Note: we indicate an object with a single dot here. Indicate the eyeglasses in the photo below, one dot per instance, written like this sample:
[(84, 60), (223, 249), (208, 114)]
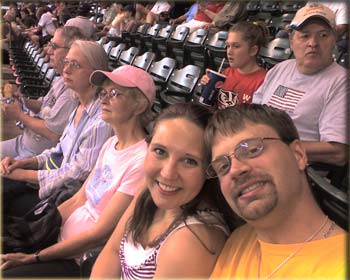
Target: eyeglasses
[(113, 93), (73, 64), (54, 46), (248, 148)]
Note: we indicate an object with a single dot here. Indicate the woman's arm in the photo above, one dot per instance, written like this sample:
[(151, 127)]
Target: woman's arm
[(194, 261), (93, 237), (77, 200), (107, 264), (80, 243)]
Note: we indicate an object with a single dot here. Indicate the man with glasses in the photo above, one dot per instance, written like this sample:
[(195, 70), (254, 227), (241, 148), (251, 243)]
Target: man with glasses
[(312, 88), (48, 116), (260, 162)]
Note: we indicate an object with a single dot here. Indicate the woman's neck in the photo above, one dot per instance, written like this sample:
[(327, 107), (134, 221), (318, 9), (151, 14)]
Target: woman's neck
[(87, 96), (128, 135)]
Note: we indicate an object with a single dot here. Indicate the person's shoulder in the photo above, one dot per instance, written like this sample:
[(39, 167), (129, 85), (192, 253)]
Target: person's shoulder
[(197, 237), (339, 70), (245, 231)]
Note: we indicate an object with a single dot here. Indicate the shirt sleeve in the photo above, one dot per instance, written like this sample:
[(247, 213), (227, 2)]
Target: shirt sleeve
[(78, 168), (56, 118), (333, 120)]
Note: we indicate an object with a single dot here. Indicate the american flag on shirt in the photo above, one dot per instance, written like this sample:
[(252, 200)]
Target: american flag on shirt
[(285, 98)]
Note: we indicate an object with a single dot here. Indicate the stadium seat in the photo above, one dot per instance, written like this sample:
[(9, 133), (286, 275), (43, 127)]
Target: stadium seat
[(144, 61), (194, 49), (128, 56), (114, 55), (276, 51), (175, 44), (333, 201), (180, 86), (216, 50), (159, 41)]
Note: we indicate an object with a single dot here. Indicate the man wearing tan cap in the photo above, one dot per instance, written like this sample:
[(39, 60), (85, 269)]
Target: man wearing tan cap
[(312, 88)]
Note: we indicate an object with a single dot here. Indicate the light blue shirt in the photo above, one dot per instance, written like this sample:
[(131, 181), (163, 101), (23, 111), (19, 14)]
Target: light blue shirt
[(80, 156), (191, 12)]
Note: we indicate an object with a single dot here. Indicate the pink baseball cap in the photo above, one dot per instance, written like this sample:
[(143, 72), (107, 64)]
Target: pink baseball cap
[(127, 76)]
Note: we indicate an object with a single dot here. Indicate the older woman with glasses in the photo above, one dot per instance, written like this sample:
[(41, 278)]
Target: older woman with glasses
[(79, 145), (89, 217)]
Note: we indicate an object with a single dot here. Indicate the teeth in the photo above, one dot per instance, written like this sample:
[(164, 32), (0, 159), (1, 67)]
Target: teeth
[(167, 188), (252, 187)]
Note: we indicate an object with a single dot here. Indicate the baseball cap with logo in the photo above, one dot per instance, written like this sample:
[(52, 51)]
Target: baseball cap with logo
[(313, 10), (127, 76)]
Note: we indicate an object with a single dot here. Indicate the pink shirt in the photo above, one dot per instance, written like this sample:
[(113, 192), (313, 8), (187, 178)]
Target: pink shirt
[(114, 171)]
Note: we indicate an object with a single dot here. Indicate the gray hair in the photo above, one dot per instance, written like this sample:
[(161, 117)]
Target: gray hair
[(70, 34), (94, 53)]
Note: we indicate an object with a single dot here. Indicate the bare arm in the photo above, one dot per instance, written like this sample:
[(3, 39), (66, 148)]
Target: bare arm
[(77, 200), (82, 242), (194, 261), (93, 237), (107, 264), (326, 152), (14, 111), (33, 104)]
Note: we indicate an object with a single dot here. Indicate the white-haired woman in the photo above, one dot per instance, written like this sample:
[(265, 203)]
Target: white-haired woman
[(79, 144)]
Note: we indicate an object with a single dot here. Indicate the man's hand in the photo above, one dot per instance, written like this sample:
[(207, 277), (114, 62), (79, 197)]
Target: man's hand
[(12, 110)]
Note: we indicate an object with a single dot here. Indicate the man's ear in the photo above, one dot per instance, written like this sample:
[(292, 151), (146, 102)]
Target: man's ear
[(291, 42), (299, 153)]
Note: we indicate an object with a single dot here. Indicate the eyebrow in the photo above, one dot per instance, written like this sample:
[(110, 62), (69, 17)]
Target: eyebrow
[(186, 154)]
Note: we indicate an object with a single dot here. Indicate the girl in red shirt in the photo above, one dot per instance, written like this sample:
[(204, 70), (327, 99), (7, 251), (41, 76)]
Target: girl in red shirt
[(244, 75)]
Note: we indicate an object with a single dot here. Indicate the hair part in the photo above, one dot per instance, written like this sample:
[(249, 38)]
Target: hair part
[(94, 53), (234, 119), (255, 33)]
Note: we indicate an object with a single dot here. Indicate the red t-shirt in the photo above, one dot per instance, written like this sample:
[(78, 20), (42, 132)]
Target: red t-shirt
[(238, 88), (213, 7)]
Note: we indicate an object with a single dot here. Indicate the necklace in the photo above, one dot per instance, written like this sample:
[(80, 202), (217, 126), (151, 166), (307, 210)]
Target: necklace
[(312, 236)]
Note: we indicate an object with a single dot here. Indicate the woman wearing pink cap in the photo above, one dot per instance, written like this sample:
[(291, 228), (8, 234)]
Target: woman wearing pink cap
[(89, 217)]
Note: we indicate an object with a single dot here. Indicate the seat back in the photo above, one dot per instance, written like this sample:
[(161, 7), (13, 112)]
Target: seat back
[(144, 61), (253, 7), (102, 41), (217, 41), (166, 31), (153, 30), (333, 201), (115, 52), (161, 70), (50, 75), (184, 80), (194, 49), (216, 50), (128, 56), (198, 37), (180, 34), (291, 6), (108, 46), (272, 7), (277, 50), (142, 29)]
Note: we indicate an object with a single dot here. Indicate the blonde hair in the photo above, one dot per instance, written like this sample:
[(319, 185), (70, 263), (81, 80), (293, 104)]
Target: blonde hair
[(147, 116), (94, 53)]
